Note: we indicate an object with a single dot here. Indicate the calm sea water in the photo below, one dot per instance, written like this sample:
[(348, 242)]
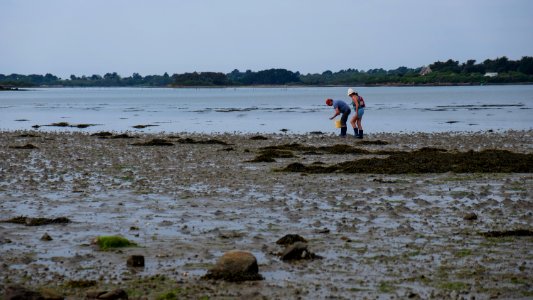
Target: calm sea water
[(268, 110)]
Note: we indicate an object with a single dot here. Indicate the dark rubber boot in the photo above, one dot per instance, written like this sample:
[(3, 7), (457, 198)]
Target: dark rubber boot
[(360, 134), (343, 131), (356, 132)]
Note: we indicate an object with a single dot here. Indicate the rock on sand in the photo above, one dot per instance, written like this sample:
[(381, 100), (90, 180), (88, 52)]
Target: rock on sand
[(235, 265)]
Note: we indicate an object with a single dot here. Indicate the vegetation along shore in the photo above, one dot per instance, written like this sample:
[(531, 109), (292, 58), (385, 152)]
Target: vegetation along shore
[(491, 71)]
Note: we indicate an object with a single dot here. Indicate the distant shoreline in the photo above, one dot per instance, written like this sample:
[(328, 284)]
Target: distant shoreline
[(25, 88)]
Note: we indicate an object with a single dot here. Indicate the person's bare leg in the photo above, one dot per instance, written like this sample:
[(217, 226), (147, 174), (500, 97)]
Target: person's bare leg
[(360, 128), (355, 128)]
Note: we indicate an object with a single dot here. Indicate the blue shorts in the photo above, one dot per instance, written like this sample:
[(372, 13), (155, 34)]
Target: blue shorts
[(360, 113)]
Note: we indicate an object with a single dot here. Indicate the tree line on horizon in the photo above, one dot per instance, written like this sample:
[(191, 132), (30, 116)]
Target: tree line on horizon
[(447, 72)]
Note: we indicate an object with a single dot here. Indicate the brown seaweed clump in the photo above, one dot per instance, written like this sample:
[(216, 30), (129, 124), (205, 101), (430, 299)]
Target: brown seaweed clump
[(206, 142), (429, 160), (516, 232), (335, 149), (269, 155), (37, 221), (142, 126), (258, 138), (109, 135), (27, 146), (373, 142), (154, 142), (102, 134), (65, 124)]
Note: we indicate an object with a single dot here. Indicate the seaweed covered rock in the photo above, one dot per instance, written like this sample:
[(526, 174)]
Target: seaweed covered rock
[(298, 251), (235, 265), (290, 239)]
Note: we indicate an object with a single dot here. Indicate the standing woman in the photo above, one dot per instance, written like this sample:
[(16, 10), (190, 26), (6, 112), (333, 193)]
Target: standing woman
[(358, 106)]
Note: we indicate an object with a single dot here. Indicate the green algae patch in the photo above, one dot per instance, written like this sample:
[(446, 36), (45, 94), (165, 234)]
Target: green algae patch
[(428, 160), (113, 241)]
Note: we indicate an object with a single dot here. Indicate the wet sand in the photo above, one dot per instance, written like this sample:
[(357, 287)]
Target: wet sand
[(188, 202)]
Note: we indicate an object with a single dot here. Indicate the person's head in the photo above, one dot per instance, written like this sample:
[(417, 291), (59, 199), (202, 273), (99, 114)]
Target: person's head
[(329, 102), (352, 93)]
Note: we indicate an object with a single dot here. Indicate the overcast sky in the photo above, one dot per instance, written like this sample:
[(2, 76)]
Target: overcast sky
[(86, 37)]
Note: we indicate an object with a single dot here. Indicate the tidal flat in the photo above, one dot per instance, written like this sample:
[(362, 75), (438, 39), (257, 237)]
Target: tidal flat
[(185, 199)]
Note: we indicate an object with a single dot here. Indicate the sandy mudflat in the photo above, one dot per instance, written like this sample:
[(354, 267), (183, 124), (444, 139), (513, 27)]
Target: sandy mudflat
[(185, 204)]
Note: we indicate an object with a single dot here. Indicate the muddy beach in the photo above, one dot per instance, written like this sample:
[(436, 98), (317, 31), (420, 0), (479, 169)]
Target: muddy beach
[(184, 200)]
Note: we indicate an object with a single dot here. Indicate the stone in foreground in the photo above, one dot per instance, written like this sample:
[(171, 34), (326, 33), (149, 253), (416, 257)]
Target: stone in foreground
[(118, 294), (135, 261), (235, 265)]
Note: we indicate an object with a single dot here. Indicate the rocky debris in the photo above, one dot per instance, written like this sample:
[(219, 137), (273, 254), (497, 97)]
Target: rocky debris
[(290, 239), (109, 295), (235, 266), (27, 146), (46, 237), (298, 251), (135, 261), (470, 216), (154, 142), (17, 292), (37, 221), (516, 232)]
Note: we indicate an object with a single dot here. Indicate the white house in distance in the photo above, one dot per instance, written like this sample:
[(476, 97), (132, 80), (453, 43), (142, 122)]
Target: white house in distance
[(491, 74), (425, 71)]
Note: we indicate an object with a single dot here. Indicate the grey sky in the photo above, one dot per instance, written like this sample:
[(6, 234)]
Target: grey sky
[(85, 37)]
